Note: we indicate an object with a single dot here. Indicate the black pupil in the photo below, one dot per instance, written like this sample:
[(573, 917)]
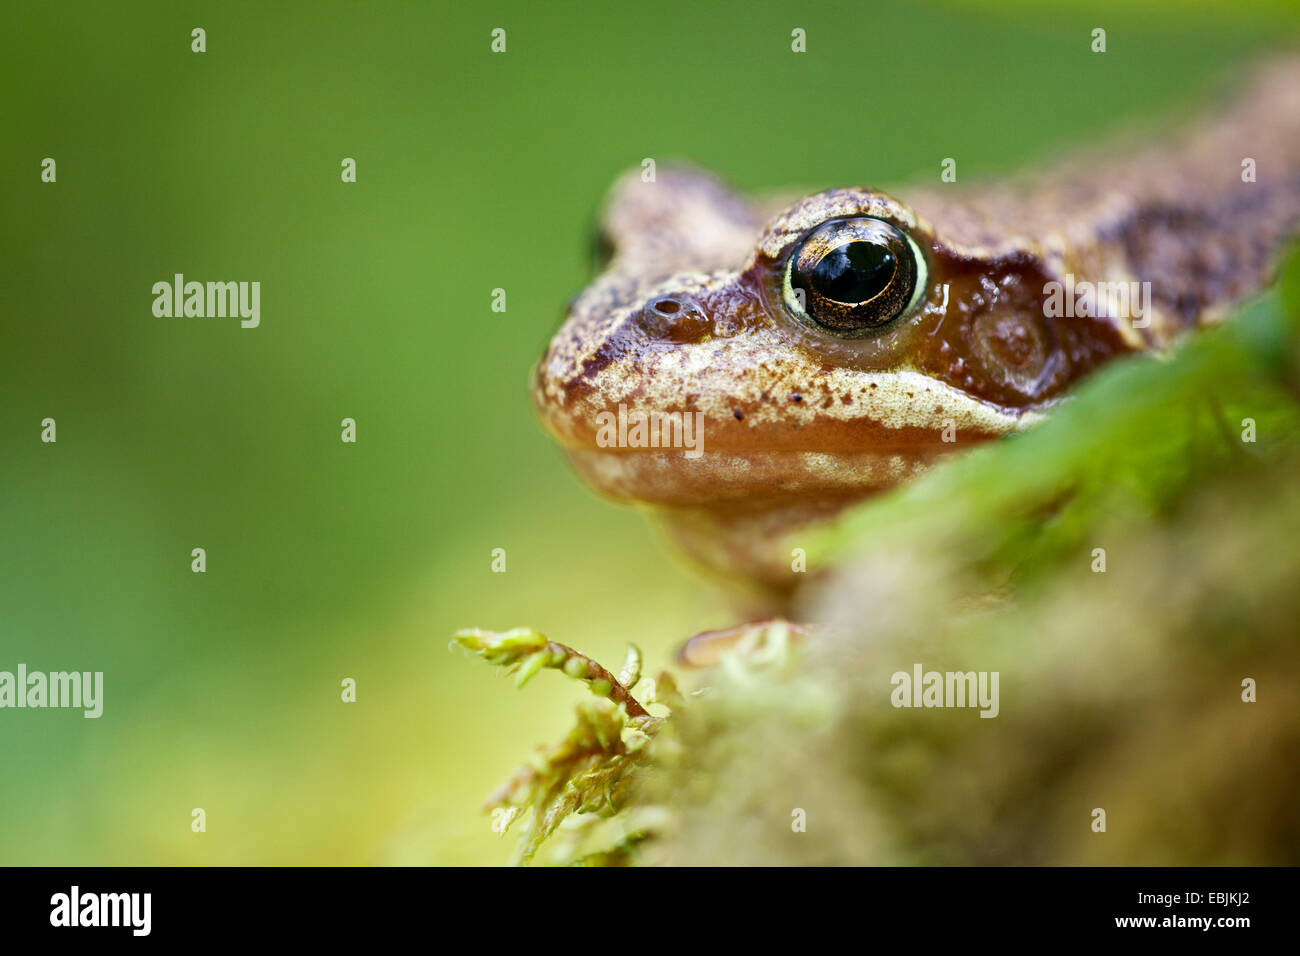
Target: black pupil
[(854, 272)]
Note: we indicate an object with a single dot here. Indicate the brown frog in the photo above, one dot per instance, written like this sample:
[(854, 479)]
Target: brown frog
[(749, 367)]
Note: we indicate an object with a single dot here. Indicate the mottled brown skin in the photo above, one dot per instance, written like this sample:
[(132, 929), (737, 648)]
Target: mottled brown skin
[(689, 317)]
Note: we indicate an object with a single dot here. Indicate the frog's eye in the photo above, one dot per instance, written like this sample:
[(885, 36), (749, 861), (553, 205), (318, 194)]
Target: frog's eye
[(853, 277)]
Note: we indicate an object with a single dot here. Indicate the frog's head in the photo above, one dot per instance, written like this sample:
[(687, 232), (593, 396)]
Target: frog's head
[(747, 375)]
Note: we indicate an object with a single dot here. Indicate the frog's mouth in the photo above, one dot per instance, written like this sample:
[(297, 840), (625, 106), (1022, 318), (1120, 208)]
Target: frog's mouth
[(743, 454)]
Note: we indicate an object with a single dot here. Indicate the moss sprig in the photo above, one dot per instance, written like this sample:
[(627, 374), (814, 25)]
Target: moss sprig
[(524, 652), (588, 771)]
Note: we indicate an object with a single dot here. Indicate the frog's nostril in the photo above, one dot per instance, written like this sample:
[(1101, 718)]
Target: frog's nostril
[(675, 318)]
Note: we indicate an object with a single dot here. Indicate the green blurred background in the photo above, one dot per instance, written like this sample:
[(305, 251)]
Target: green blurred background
[(329, 560)]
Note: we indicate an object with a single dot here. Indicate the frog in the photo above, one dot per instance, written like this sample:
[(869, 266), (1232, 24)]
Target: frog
[(837, 345)]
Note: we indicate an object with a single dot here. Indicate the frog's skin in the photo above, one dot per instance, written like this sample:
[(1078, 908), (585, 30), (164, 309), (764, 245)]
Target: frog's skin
[(689, 316)]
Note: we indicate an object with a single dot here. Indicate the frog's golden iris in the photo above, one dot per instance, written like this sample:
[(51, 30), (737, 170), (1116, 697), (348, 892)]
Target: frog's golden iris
[(854, 277)]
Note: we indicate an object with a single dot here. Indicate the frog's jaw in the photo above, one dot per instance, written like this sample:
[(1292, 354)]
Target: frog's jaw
[(786, 431)]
